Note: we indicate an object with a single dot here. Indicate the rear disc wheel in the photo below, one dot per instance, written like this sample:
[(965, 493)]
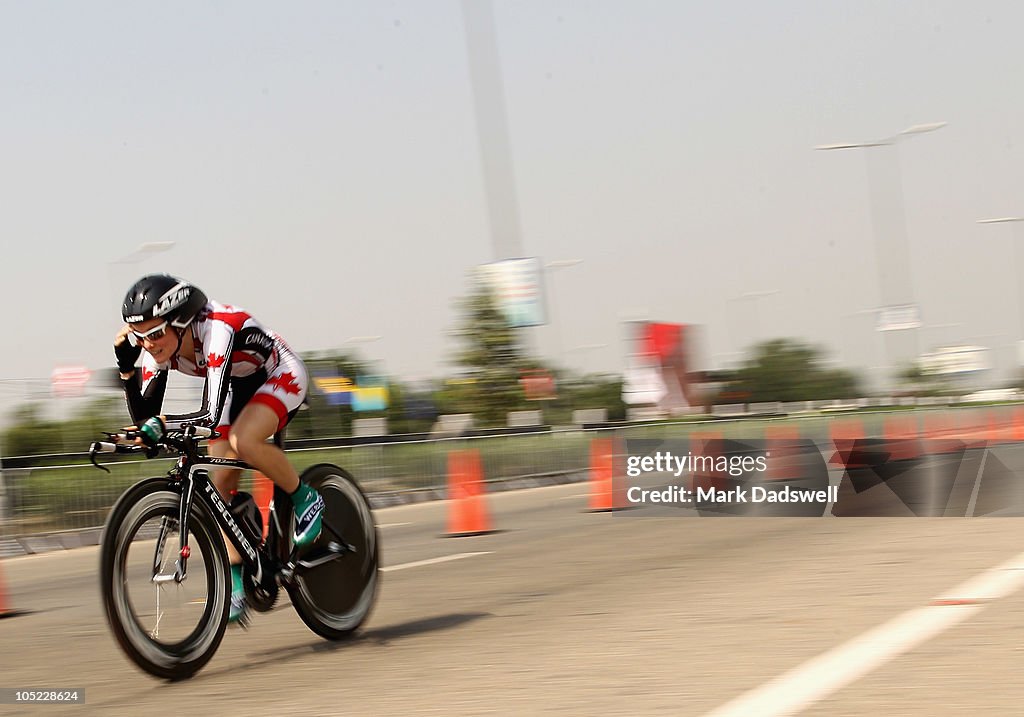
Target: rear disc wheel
[(335, 598)]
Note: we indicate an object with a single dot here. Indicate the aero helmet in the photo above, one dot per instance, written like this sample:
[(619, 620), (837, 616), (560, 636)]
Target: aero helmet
[(162, 296)]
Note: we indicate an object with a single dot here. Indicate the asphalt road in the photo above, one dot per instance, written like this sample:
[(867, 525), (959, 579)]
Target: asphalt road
[(569, 612)]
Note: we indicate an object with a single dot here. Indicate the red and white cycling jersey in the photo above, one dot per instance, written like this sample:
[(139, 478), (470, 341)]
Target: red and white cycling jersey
[(229, 345)]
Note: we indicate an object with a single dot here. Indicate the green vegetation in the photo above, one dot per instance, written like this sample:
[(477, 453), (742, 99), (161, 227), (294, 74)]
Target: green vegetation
[(787, 370), (31, 434)]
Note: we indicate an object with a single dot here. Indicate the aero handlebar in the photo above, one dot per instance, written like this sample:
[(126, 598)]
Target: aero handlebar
[(124, 442)]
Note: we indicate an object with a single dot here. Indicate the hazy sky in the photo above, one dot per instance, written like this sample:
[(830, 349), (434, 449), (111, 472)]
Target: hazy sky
[(318, 164)]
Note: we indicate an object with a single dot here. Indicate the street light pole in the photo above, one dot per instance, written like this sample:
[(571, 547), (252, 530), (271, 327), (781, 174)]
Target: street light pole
[(892, 252)]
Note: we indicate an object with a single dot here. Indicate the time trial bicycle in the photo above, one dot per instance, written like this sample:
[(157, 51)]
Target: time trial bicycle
[(164, 568)]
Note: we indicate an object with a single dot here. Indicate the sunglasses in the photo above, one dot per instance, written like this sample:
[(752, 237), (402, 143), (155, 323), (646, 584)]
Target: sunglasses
[(154, 334)]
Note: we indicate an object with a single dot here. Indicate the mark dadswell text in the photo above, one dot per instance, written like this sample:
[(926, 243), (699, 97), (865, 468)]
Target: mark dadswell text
[(751, 494)]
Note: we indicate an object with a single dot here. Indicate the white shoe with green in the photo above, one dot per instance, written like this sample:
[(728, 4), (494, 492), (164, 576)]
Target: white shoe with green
[(237, 612), (309, 510)]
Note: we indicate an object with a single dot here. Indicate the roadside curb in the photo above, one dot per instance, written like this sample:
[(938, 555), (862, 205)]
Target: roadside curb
[(78, 538)]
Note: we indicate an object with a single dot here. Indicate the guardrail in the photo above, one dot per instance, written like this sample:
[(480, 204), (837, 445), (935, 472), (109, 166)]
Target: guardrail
[(70, 496), (73, 496)]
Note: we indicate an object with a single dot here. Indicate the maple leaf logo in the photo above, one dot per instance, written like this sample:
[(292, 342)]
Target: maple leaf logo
[(147, 374), (285, 382), (214, 361)]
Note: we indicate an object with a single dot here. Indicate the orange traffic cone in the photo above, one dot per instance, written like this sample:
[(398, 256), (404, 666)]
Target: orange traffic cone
[(263, 493), (999, 428), (973, 429), (467, 503), (844, 436), (901, 436), (604, 491)]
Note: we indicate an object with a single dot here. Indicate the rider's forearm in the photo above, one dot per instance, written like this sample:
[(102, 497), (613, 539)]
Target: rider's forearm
[(143, 405)]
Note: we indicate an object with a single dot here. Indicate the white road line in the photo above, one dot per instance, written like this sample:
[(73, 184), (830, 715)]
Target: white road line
[(833, 670), (973, 502), (391, 525), (577, 495), (433, 561), (50, 554)]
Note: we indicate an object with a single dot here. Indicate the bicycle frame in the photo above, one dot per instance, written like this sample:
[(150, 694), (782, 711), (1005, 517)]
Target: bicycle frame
[(190, 473)]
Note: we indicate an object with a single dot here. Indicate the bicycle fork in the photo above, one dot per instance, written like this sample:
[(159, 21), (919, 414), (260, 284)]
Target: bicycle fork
[(181, 563), (158, 553)]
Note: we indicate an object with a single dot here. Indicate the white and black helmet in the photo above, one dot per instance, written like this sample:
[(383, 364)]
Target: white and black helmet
[(162, 296)]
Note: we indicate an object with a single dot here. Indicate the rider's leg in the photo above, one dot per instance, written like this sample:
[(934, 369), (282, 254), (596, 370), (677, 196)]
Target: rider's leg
[(249, 434), (226, 482)]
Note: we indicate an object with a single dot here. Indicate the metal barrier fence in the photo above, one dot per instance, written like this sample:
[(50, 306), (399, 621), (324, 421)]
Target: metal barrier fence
[(53, 498)]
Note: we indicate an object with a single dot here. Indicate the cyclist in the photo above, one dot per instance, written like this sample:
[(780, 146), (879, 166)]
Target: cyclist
[(254, 386)]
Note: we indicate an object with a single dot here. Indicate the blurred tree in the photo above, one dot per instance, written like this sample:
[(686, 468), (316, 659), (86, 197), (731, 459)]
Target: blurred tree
[(594, 391), (492, 360), (31, 434), (787, 370)]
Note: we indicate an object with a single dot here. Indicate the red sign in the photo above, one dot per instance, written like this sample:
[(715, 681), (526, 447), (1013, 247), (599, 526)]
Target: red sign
[(68, 381), (538, 385)]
